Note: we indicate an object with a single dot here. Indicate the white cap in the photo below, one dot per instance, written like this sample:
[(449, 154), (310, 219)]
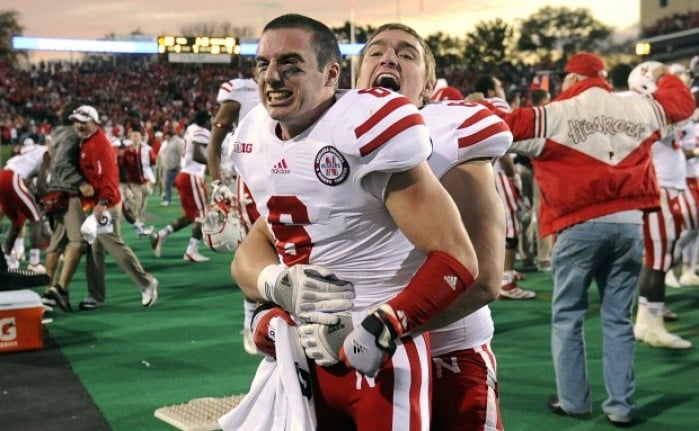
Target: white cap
[(158, 134), (85, 113), (28, 141)]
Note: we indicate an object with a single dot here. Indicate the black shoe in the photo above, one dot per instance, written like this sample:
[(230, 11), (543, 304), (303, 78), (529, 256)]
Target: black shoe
[(618, 421), (90, 303), (60, 297), (555, 406)]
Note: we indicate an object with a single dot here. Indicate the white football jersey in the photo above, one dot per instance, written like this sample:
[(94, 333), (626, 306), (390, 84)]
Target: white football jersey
[(28, 163), (689, 139), (194, 134), (322, 192), (461, 132), (670, 163), (243, 91)]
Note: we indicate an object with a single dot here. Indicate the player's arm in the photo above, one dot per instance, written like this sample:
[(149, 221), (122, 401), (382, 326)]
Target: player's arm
[(226, 117), (429, 218), (472, 186), (254, 254)]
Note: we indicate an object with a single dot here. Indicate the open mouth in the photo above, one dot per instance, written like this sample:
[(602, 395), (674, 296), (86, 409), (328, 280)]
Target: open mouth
[(278, 95), (387, 81)]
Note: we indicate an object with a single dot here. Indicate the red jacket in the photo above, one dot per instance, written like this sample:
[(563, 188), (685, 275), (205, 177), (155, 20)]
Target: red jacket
[(591, 149), (98, 166)]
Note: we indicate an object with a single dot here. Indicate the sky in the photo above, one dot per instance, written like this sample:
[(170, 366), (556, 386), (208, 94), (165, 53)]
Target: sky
[(97, 18)]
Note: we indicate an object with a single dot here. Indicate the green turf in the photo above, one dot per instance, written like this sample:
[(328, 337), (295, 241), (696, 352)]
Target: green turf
[(133, 360)]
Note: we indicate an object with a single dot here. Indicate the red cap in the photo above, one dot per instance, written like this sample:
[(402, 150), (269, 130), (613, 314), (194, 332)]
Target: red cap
[(447, 93), (586, 64)]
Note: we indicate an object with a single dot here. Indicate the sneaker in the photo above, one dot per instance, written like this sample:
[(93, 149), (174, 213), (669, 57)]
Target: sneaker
[(620, 421), (195, 257), (512, 291), (156, 243), (59, 297), (37, 269), (554, 406), (146, 231), (149, 294), (671, 279), (689, 278), (248, 341), (90, 303), (544, 267), (659, 337), (164, 204)]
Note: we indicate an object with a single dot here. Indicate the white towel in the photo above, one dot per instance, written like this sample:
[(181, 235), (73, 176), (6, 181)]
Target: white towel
[(283, 385)]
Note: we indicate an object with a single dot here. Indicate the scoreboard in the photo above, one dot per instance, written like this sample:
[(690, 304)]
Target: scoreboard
[(227, 45)]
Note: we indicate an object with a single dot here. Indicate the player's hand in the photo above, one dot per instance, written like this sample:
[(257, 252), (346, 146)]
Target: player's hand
[(263, 334), (371, 344), (309, 292), (322, 343)]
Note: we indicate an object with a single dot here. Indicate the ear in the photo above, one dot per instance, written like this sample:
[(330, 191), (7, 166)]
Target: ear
[(428, 90), (333, 75)]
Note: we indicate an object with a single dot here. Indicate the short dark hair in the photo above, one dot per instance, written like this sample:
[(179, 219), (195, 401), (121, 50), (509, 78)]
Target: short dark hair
[(202, 117), (619, 75), (322, 37), (484, 83), (538, 95)]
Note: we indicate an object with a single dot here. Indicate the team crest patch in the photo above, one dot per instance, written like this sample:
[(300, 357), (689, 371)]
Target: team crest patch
[(331, 166)]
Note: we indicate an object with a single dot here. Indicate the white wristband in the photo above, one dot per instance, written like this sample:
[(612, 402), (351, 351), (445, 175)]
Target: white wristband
[(267, 279)]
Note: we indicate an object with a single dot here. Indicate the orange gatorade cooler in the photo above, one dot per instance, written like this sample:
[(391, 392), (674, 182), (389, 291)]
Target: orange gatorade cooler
[(21, 312)]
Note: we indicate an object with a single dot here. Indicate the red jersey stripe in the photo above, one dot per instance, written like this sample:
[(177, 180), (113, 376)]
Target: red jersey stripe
[(483, 134), (380, 115), (397, 127)]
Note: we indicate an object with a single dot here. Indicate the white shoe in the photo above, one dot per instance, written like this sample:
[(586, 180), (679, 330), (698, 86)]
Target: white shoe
[(145, 231), (248, 341), (12, 263), (37, 269), (689, 278), (195, 257), (671, 279), (149, 294), (659, 337), (156, 243)]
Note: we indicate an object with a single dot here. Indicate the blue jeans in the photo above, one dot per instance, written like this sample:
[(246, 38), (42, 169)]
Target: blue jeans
[(170, 175), (611, 255)]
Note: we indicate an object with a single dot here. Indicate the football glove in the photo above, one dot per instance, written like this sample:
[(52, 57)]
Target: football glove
[(369, 346), (262, 332), (308, 292), (322, 343)]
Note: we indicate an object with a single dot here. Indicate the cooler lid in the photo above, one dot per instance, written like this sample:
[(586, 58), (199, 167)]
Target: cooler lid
[(24, 298)]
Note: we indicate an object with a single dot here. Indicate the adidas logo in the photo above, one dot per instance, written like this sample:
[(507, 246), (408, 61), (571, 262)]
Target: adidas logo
[(281, 167), (451, 281)]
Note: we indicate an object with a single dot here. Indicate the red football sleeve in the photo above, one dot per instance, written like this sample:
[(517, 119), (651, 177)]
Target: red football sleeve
[(438, 282)]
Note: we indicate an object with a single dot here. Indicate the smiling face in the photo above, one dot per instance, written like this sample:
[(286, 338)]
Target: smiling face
[(84, 128), (293, 88), (395, 59)]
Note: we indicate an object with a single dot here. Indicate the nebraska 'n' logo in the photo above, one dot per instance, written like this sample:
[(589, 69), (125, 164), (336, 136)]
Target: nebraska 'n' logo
[(331, 166)]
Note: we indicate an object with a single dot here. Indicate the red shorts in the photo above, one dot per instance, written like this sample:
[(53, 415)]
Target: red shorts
[(465, 391), (397, 399), (16, 200), (193, 195)]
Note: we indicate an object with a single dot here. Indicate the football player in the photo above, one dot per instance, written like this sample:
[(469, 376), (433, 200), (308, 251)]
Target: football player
[(350, 191), (191, 188)]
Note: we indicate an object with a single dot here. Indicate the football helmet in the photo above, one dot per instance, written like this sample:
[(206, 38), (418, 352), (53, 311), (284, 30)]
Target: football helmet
[(641, 77), (221, 226), (694, 66)]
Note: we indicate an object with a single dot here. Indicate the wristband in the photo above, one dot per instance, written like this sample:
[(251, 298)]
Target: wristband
[(223, 126), (435, 285), (267, 279)]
